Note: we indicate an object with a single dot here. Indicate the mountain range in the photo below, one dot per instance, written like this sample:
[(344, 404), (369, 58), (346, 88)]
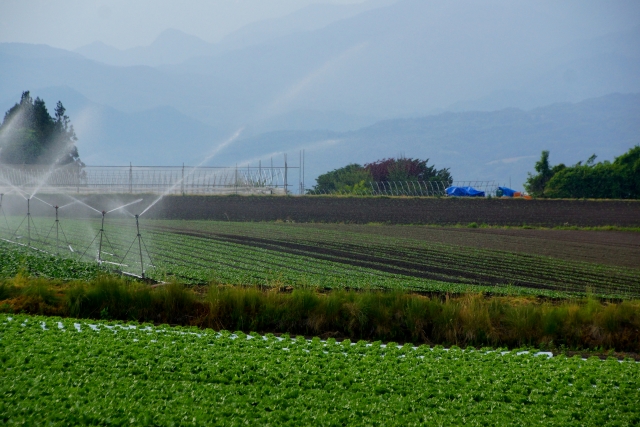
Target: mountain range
[(481, 88)]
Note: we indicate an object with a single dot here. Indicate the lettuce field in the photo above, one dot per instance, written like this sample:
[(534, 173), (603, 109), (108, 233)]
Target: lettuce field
[(58, 371), (551, 263)]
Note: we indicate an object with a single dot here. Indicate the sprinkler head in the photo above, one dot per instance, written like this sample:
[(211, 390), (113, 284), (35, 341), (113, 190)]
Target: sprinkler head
[(136, 216), (56, 206), (104, 213)]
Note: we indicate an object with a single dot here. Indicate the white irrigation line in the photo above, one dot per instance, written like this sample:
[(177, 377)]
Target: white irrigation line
[(149, 330), (27, 246)]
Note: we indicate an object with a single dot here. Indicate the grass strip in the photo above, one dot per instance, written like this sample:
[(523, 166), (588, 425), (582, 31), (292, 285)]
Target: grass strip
[(463, 320)]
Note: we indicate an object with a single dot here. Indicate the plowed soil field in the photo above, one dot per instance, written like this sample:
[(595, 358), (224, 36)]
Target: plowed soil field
[(403, 210), (614, 248)]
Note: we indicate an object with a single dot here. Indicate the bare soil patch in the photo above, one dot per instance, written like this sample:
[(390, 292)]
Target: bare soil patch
[(614, 248), (403, 210)]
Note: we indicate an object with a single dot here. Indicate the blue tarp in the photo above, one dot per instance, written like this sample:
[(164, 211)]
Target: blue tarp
[(464, 192), (507, 191)]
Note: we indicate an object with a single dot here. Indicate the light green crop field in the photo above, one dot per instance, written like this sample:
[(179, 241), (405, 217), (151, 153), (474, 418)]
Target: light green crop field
[(318, 255), (57, 371)]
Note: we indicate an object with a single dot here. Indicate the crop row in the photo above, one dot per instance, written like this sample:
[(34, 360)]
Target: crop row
[(495, 265), (70, 372), (288, 254)]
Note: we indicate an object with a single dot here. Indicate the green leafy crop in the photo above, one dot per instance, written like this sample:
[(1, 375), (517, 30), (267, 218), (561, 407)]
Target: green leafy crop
[(69, 372)]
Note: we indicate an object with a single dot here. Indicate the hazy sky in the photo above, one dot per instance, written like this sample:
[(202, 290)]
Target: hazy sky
[(70, 24)]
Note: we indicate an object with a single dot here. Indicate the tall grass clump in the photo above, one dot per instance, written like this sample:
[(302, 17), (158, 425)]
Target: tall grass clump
[(110, 297), (463, 320), (172, 303)]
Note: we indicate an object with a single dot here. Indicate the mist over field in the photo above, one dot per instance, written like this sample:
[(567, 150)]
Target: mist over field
[(478, 87)]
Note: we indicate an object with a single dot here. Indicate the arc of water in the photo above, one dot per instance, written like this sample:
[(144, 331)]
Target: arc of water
[(124, 206), (193, 170), (39, 199), (68, 204), (14, 188), (52, 169), (83, 203)]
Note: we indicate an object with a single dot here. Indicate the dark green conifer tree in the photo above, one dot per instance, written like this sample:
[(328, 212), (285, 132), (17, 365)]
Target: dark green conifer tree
[(29, 135)]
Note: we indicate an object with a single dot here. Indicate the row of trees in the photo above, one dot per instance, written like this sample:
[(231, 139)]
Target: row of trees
[(29, 135), (619, 179), (354, 178)]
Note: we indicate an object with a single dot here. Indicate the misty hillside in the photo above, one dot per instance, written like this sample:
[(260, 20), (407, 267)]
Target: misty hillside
[(174, 46), (400, 60), (357, 83), (499, 145), (170, 47)]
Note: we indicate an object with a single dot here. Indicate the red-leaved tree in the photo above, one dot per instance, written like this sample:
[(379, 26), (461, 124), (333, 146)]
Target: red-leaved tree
[(406, 169)]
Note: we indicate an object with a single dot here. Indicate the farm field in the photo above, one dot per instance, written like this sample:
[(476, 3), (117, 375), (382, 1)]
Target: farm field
[(556, 263), (404, 210), (65, 371), (357, 210)]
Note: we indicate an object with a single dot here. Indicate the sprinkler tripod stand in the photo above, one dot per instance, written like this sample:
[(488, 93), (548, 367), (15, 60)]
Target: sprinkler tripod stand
[(3, 214), (102, 235), (29, 224), (140, 245), (59, 229)]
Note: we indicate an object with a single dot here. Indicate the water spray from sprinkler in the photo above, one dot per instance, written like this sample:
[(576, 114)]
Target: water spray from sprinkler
[(14, 188), (54, 167), (82, 203), (39, 199), (124, 206), (211, 155)]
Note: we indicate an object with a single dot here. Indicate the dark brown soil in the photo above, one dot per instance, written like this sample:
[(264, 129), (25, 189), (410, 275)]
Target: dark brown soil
[(402, 210), (615, 248)]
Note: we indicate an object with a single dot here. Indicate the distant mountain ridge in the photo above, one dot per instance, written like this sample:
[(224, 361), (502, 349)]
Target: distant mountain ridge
[(170, 47), (173, 46), (498, 145), (359, 83), (404, 59)]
